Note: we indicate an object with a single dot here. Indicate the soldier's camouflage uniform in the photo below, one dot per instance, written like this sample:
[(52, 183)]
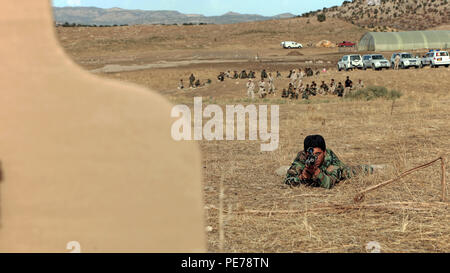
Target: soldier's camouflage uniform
[(332, 171)]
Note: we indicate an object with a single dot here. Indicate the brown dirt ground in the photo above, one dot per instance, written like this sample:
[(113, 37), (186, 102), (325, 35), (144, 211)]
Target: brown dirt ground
[(411, 131)]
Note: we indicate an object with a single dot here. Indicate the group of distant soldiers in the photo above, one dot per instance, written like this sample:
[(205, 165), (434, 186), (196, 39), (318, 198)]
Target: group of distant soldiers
[(296, 87), (296, 90), (295, 77), (193, 83), (264, 89)]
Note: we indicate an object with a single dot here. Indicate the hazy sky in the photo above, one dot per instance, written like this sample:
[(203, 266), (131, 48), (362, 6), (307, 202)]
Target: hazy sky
[(209, 7)]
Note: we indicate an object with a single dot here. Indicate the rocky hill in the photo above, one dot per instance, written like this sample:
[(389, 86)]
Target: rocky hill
[(385, 15)]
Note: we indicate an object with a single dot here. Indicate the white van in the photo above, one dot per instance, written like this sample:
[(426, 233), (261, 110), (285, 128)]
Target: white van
[(290, 44)]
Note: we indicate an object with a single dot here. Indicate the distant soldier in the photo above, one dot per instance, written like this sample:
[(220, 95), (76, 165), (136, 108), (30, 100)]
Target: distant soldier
[(348, 86), (271, 84), (285, 93), (301, 74), (360, 85), (290, 74), (323, 88), (228, 74), (251, 89), (333, 87), (197, 83), (340, 90), (251, 75), (191, 81), (301, 90), (181, 84), (208, 81), (305, 93), (291, 89), (397, 61), (263, 74), (236, 75), (317, 73), (243, 75), (312, 91), (221, 77), (295, 94), (262, 89), (309, 72), (313, 88), (278, 75), (293, 77)]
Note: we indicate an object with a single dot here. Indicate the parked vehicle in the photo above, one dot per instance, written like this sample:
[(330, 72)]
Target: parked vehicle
[(350, 62), (375, 61), (346, 44), (290, 44), (436, 58), (407, 60)]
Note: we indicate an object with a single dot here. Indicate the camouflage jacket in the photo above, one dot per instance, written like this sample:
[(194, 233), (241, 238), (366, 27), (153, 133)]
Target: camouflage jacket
[(332, 171)]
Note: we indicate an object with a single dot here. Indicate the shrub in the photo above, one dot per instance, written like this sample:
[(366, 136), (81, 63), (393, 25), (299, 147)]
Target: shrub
[(321, 17), (374, 92)]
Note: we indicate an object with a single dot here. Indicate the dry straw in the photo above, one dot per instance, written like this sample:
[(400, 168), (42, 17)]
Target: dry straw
[(332, 207), (361, 195)]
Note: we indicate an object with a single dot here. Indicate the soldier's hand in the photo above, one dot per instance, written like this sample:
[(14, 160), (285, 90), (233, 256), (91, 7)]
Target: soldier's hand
[(291, 181), (308, 172)]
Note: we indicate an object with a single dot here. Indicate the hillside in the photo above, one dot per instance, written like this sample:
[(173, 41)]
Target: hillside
[(146, 39), (385, 15), (117, 16)]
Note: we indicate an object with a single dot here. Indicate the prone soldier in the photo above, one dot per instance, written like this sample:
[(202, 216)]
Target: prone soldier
[(318, 166)]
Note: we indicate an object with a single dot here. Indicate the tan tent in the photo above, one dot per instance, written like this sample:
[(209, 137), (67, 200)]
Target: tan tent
[(325, 43), (86, 162)]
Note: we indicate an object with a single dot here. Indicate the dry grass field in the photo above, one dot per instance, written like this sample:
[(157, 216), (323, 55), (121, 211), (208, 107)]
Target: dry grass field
[(406, 216)]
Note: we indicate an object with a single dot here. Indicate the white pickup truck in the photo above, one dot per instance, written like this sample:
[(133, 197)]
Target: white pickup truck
[(290, 44)]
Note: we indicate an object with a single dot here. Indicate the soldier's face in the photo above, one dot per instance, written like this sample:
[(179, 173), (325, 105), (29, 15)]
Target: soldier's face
[(320, 156)]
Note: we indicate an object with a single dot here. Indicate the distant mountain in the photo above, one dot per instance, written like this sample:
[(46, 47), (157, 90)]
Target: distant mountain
[(98, 16)]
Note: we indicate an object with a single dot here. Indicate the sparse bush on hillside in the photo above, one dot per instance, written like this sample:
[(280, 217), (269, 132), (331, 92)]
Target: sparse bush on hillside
[(321, 17), (374, 92)]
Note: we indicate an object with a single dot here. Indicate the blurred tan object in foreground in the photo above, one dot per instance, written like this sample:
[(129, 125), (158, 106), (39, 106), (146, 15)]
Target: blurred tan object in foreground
[(84, 159)]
